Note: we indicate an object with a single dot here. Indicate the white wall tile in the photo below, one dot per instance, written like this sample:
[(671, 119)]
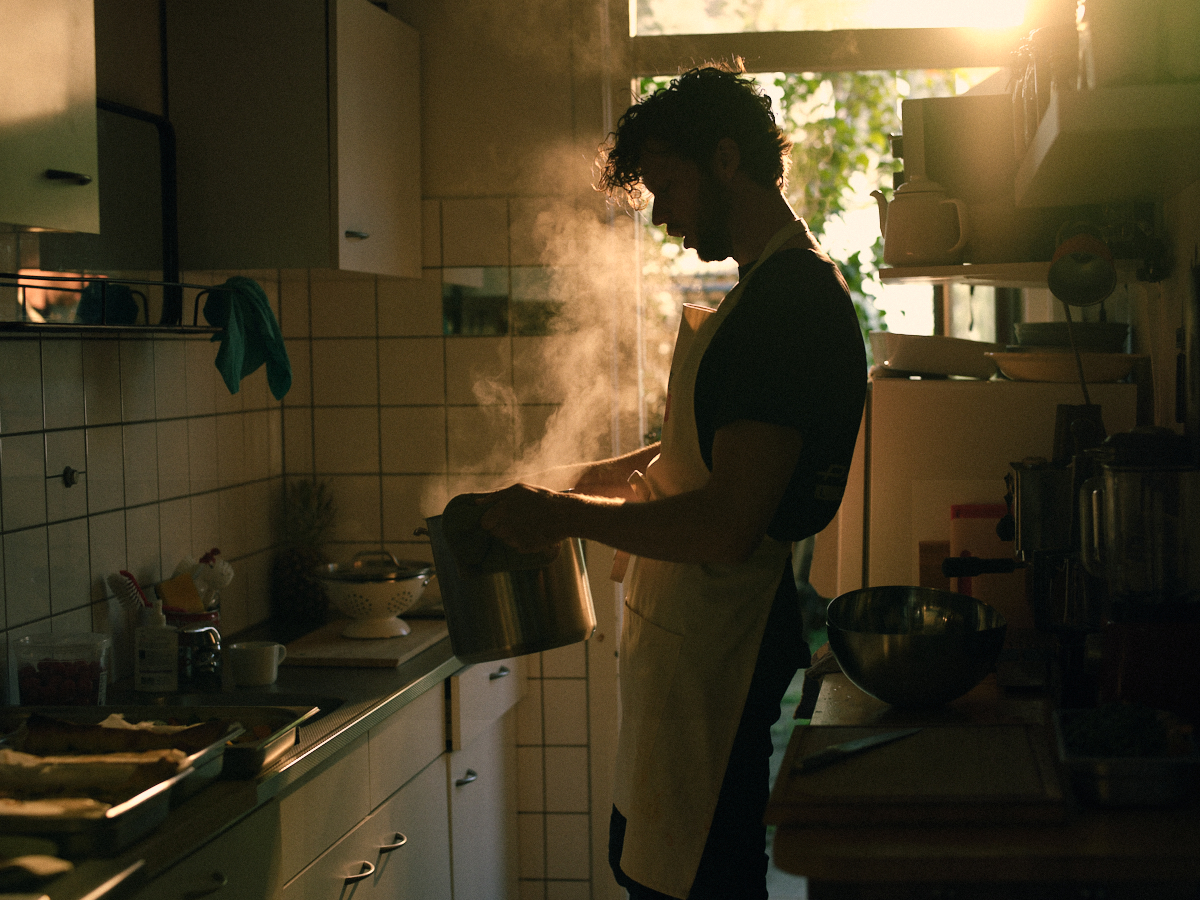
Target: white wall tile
[(206, 527), (412, 371), (431, 233), (345, 372), (202, 378), (565, 705), (568, 890), (567, 779), (105, 469), (565, 662), (232, 522), (137, 380), (479, 440), (275, 442), (106, 549), (568, 846), (258, 433), (407, 501), (20, 387), (479, 370), (68, 562), (413, 439), (172, 440), (531, 845), (231, 448), (170, 379), (75, 621), (202, 453), (141, 462), (23, 480), (531, 889), (343, 304), (175, 533), (357, 499), (142, 544), (529, 714), (26, 576), (62, 383), (297, 440), (531, 793), (475, 232), (300, 359), (411, 306), (293, 304), (66, 449), (552, 369), (101, 382), (346, 439)]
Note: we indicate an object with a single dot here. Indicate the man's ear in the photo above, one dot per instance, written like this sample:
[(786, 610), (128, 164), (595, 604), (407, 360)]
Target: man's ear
[(726, 159)]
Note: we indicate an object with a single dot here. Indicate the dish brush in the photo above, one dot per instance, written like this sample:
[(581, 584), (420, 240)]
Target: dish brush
[(127, 589)]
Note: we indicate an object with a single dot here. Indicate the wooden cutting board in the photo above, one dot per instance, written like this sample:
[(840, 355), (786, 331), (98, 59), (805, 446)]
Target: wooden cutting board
[(327, 647), (944, 774)]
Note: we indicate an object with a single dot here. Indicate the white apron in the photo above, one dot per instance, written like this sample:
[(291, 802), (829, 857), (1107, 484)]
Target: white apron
[(689, 643)]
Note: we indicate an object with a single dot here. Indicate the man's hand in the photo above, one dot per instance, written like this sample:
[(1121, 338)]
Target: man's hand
[(524, 517)]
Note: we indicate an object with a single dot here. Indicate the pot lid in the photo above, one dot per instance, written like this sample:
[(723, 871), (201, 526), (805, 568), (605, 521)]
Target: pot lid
[(375, 566)]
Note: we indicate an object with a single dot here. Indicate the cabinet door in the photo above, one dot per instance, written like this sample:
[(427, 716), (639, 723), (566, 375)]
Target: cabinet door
[(241, 864), (482, 694), (378, 142), (400, 851), (483, 818), (48, 115)]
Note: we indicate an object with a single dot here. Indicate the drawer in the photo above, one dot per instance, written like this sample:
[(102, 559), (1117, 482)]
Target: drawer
[(401, 850), (403, 744), (321, 810), (480, 695), (242, 862)]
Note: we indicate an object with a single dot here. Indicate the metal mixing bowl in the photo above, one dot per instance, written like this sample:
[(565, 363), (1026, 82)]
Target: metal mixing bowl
[(912, 646)]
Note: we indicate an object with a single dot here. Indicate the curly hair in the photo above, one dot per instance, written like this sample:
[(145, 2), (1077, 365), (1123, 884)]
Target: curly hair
[(691, 116)]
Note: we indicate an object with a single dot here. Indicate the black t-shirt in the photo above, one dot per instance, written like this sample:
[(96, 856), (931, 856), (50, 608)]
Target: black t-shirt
[(791, 353)]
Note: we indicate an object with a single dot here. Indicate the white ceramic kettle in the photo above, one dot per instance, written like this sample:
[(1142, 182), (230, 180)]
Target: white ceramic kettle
[(922, 226)]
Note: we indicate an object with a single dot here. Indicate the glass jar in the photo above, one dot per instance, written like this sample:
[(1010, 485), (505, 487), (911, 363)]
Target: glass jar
[(63, 669)]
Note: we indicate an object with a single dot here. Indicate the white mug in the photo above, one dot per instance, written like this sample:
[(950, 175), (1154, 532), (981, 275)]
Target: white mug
[(255, 663)]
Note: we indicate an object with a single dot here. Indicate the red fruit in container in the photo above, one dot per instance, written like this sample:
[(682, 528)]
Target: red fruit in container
[(62, 669)]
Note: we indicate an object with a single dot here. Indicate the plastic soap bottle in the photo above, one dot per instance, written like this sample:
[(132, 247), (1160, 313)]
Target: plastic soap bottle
[(156, 652)]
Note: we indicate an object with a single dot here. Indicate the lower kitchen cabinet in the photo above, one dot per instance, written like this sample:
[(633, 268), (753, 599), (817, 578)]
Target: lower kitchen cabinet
[(483, 813), (402, 850), (240, 864)]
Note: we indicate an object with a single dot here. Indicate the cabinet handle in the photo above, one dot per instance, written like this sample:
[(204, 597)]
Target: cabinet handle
[(368, 869), (400, 840), (467, 779), (63, 175), (217, 881), (502, 672), (357, 235)]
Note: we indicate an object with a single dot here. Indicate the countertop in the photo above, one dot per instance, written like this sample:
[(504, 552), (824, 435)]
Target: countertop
[(368, 696), (1123, 852)]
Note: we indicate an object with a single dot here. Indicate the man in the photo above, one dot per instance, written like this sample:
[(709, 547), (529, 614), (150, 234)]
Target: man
[(763, 408)]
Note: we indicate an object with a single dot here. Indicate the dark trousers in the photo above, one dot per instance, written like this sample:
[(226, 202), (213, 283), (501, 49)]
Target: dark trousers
[(734, 863)]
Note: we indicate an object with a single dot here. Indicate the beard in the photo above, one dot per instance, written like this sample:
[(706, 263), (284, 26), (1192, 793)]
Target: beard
[(714, 242)]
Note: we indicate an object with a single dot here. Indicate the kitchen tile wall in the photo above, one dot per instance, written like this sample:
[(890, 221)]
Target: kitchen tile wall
[(169, 463)]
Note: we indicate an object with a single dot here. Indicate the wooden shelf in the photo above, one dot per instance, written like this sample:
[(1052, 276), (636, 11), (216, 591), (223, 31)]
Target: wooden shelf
[(1121, 144), (1020, 275)]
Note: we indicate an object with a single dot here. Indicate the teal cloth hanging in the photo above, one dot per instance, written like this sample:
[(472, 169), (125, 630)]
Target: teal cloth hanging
[(250, 335)]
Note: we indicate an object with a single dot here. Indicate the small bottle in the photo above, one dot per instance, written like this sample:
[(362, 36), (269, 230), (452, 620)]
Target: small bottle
[(156, 653)]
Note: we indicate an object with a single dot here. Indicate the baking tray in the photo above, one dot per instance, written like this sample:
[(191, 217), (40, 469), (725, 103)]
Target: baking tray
[(257, 736)]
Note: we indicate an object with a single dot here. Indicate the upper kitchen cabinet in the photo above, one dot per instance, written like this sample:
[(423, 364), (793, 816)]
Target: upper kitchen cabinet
[(1113, 144), (48, 115), (297, 126)]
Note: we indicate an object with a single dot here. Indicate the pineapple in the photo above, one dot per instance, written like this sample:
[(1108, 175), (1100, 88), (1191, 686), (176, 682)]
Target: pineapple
[(299, 603)]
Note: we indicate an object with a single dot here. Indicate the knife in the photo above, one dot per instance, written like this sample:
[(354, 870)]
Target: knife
[(832, 754)]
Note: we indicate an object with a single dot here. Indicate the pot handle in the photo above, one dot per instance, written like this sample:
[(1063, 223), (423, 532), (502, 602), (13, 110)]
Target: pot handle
[(962, 223), (1091, 538)]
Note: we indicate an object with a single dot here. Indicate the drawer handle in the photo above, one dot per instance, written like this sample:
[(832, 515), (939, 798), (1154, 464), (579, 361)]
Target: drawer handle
[(502, 672), (357, 235), (466, 779), (400, 840), (368, 869), (217, 881), (73, 177)]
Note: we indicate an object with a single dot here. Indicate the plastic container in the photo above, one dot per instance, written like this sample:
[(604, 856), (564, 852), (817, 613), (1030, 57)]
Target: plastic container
[(155, 653), (63, 669)]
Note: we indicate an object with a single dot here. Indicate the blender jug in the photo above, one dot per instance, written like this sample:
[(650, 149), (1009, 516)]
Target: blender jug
[(1140, 531)]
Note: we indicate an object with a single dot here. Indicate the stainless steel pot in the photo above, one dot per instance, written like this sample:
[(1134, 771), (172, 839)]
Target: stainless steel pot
[(507, 614)]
